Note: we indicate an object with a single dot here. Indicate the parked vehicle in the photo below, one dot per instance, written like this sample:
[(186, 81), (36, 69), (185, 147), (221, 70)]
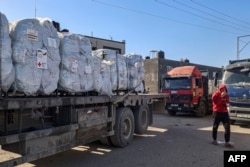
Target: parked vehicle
[(237, 78), (190, 90), (51, 102)]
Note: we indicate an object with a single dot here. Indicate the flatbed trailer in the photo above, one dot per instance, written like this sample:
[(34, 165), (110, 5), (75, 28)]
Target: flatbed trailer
[(36, 123), (37, 127)]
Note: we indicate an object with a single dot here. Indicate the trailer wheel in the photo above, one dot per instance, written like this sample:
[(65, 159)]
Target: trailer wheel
[(141, 114), (171, 112), (202, 109), (124, 127)]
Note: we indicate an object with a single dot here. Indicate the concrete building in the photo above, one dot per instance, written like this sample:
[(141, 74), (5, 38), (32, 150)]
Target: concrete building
[(156, 69), (99, 43)]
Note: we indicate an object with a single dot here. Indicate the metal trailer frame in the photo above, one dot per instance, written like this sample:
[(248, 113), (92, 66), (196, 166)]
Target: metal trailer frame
[(79, 120)]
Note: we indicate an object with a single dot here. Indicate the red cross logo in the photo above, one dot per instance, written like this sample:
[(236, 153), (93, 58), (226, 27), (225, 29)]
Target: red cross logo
[(39, 64)]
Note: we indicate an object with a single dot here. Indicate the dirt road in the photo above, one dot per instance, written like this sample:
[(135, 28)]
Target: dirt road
[(179, 141)]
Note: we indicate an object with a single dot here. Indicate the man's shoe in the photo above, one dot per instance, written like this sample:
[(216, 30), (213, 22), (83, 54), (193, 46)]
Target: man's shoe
[(215, 142), (229, 144)]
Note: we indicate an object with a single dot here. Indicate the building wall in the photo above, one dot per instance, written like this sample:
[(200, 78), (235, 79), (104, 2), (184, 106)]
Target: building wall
[(99, 43), (151, 77), (156, 69), (167, 65)]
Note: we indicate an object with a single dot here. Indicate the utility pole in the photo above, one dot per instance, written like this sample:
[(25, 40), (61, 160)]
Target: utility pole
[(35, 8), (238, 45)]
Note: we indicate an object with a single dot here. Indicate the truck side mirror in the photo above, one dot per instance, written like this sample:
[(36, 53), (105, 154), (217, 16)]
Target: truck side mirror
[(215, 81), (215, 75)]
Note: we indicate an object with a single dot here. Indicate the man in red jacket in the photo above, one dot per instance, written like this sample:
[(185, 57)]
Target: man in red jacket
[(220, 114)]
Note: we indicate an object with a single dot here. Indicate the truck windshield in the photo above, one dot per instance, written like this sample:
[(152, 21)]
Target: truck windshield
[(236, 78), (177, 83)]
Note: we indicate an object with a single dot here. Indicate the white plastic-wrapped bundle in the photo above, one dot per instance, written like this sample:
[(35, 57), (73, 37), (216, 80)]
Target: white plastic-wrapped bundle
[(51, 42), (77, 65), (136, 72), (35, 46), (101, 75), (6, 66), (118, 68)]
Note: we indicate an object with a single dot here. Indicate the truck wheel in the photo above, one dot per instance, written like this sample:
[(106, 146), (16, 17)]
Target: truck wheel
[(124, 127), (171, 112), (141, 114), (202, 109)]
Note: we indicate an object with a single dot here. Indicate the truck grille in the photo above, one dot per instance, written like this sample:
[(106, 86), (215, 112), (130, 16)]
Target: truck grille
[(240, 99), (240, 103), (175, 97)]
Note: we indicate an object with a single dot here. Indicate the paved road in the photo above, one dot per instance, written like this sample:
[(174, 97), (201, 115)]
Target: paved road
[(179, 141)]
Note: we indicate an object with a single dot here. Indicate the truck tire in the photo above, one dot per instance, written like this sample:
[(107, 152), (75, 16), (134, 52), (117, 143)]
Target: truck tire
[(201, 110), (141, 114), (172, 112), (124, 127)]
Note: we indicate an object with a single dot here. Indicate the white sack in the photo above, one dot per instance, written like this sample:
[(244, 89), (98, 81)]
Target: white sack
[(36, 56), (6, 66), (118, 68), (77, 65), (101, 74), (136, 72), (51, 43)]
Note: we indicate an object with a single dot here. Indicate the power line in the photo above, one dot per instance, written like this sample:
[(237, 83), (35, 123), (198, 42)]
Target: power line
[(171, 6), (211, 14), (220, 12), (35, 8), (160, 17)]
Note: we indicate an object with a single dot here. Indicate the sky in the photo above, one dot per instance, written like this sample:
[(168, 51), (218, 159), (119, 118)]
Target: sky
[(207, 32)]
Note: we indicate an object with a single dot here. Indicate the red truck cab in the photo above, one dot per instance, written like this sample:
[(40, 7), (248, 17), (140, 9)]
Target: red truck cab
[(188, 89)]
